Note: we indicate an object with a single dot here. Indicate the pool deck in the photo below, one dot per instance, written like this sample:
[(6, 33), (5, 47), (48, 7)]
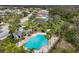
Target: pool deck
[(39, 33), (51, 44), (52, 41)]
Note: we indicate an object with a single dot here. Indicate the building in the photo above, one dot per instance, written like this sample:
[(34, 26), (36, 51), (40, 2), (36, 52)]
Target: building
[(2, 13), (42, 16), (4, 31)]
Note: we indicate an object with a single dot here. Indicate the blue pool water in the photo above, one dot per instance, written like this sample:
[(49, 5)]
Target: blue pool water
[(36, 42)]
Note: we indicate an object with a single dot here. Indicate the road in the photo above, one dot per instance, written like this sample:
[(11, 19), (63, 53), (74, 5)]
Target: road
[(27, 17)]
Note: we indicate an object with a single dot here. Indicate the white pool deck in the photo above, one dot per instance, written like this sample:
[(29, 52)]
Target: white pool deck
[(38, 34)]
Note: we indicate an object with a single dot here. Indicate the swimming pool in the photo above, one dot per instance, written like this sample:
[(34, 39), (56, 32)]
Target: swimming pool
[(36, 42)]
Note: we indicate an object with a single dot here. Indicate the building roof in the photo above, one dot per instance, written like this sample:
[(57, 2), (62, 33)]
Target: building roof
[(4, 31), (42, 13)]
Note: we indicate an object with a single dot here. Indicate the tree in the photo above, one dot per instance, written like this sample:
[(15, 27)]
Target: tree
[(9, 46)]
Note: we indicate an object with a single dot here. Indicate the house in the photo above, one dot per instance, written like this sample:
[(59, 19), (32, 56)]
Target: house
[(2, 13), (42, 16), (4, 31)]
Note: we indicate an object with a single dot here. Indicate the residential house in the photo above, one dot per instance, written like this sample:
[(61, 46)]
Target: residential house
[(4, 31), (42, 16)]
